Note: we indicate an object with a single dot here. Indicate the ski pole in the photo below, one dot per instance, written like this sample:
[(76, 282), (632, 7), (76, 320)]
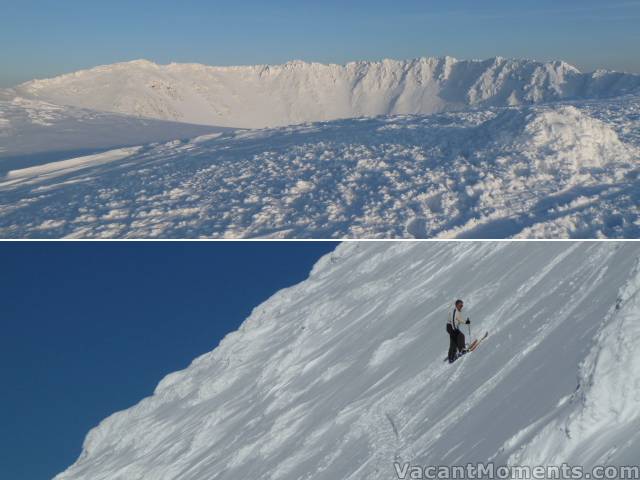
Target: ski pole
[(469, 325)]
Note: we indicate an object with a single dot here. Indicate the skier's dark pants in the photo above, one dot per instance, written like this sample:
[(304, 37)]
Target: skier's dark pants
[(456, 342)]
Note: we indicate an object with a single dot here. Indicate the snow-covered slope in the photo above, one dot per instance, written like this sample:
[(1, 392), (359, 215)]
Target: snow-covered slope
[(296, 92), (549, 171), (343, 375), (28, 127)]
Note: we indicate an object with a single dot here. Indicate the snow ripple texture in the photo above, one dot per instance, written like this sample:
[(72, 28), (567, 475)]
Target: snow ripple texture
[(552, 171), (343, 374)]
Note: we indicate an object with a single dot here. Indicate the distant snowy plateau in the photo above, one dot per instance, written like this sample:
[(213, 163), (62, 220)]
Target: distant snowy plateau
[(428, 148), (342, 375)]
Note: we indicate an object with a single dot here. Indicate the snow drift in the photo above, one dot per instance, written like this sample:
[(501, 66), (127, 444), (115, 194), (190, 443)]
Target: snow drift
[(343, 375), (297, 92), (519, 149), (33, 131), (553, 171)]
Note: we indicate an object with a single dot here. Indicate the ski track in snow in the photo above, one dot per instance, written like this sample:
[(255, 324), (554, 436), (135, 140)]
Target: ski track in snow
[(552, 171), (294, 393)]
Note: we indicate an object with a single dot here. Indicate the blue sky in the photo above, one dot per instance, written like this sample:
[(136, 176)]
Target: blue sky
[(90, 328), (46, 37)]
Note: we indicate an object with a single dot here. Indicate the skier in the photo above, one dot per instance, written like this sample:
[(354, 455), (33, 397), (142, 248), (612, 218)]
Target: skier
[(456, 337)]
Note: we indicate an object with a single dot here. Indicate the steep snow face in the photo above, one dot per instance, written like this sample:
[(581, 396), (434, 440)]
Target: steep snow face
[(297, 92), (551, 171), (603, 425), (343, 374), (28, 127)]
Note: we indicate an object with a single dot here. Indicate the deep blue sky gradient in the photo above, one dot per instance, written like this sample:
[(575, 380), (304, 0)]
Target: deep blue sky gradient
[(40, 38), (89, 328)]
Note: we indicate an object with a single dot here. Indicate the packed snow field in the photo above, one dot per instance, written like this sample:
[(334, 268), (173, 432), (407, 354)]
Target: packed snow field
[(342, 375), (519, 149), (29, 127), (558, 170)]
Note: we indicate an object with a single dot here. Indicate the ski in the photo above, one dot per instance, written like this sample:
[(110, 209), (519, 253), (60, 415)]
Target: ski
[(472, 346), (477, 342)]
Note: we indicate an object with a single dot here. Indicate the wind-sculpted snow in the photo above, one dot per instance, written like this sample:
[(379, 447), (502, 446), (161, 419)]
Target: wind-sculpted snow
[(35, 131), (548, 171), (604, 420), (342, 375), (297, 92)]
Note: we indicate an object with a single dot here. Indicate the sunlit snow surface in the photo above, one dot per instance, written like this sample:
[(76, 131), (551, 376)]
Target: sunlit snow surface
[(260, 96), (343, 374), (33, 131), (550, 171)]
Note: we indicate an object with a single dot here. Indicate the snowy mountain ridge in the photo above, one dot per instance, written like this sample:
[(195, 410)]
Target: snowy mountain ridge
[(297, 92), (342, 375)]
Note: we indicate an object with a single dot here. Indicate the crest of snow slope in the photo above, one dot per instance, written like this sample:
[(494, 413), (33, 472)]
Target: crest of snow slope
[(29, 127), (343, 374), (297, 92), (543, 171)]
